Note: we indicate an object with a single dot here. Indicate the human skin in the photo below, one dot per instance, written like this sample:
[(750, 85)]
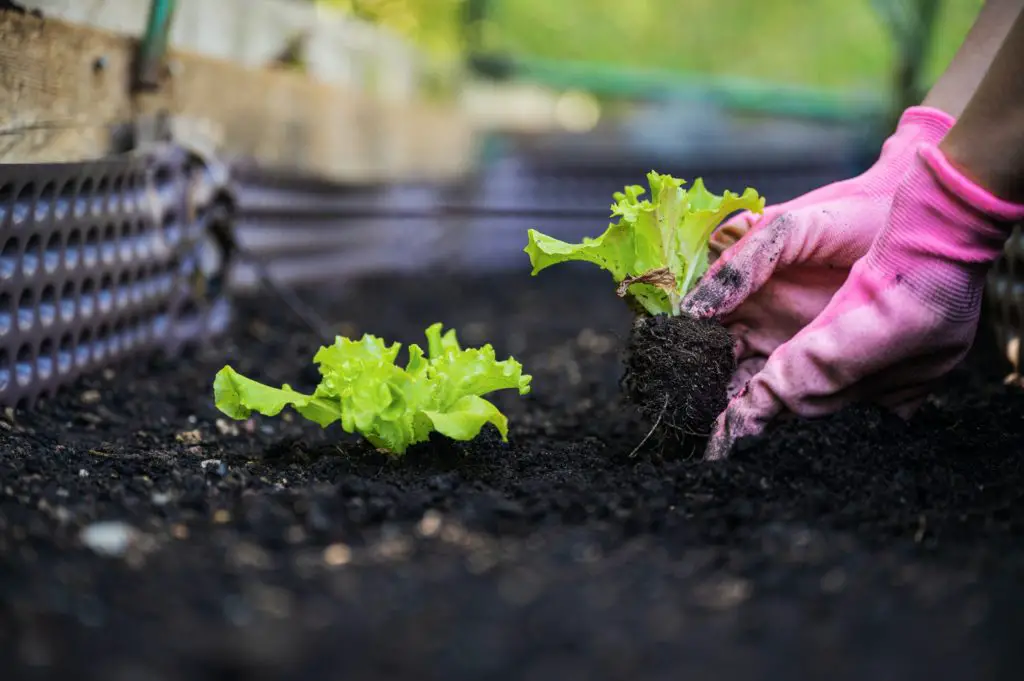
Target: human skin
[(987, 142), (973, 60)]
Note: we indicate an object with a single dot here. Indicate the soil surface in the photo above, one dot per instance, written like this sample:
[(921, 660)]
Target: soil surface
[(854, 547)]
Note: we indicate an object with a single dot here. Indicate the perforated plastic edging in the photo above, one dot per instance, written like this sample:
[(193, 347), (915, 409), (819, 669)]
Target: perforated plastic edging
[(99, 261)]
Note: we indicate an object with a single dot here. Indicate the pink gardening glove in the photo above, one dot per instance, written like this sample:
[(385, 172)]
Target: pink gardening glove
[(792, 259), (906, 315)]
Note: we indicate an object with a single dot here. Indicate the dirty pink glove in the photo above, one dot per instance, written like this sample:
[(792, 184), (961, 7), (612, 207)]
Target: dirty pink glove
[(792, 259), (907, 314)]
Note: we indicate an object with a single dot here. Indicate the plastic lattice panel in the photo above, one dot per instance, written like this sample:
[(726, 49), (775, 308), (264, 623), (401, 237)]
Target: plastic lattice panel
[(98, 260), (1006, 297)]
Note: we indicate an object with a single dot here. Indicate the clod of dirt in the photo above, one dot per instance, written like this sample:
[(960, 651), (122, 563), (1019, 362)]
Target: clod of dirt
[(677, 371)]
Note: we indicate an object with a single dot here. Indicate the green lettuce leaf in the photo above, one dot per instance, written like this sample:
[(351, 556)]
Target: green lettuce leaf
[(238, 396), (658, 248), (393, 407)]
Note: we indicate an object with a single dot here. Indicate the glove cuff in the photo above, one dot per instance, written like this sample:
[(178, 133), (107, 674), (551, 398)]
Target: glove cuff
[(932, 124), (918, 125), (958, 184), (943, 234)]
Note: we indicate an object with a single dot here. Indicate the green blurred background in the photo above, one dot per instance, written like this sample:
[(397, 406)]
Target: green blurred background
[(841, 44)]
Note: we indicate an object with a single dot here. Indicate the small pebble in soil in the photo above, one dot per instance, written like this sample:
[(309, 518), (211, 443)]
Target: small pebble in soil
[(723, 593), (337, 554), (226, 427), (430, 524), (189, 437), (215, 466), (111, 538)]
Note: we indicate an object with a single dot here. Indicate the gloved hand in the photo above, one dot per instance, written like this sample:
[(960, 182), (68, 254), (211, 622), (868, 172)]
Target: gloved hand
[(792, 259), (906, 315)]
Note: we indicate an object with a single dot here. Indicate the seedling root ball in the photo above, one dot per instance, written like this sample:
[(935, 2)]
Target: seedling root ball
[(677, 372)]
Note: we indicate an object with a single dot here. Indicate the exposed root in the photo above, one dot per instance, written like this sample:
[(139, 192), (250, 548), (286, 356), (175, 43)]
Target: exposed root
[(647, 437)]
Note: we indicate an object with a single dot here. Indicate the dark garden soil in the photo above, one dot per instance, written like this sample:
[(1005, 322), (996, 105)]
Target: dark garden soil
[(856, 547)]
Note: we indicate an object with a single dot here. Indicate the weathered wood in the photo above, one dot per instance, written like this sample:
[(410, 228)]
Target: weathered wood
[(337, 48), (53, 104), (64, 90)]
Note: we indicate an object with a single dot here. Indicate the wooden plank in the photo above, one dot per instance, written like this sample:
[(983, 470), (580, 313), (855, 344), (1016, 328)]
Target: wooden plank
[(441, 144), (64, 90), (338, 48), (55, 102), (247, 32)]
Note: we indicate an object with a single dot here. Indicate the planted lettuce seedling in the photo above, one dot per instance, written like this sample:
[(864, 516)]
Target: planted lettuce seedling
[(393, 407), (677, 367)]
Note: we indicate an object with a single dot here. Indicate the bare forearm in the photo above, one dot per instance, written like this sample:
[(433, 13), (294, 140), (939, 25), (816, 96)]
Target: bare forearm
[(987, 141), (958, 83)]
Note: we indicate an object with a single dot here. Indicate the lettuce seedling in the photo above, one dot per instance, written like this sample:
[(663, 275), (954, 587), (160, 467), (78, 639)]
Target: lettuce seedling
[(393, 407), (658, 249)]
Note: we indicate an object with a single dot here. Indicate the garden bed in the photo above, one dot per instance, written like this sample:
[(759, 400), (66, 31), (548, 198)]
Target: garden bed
[(853, 547)]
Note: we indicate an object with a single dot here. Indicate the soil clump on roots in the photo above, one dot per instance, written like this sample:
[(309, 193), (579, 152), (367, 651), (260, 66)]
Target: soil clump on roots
[(677, 372)]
